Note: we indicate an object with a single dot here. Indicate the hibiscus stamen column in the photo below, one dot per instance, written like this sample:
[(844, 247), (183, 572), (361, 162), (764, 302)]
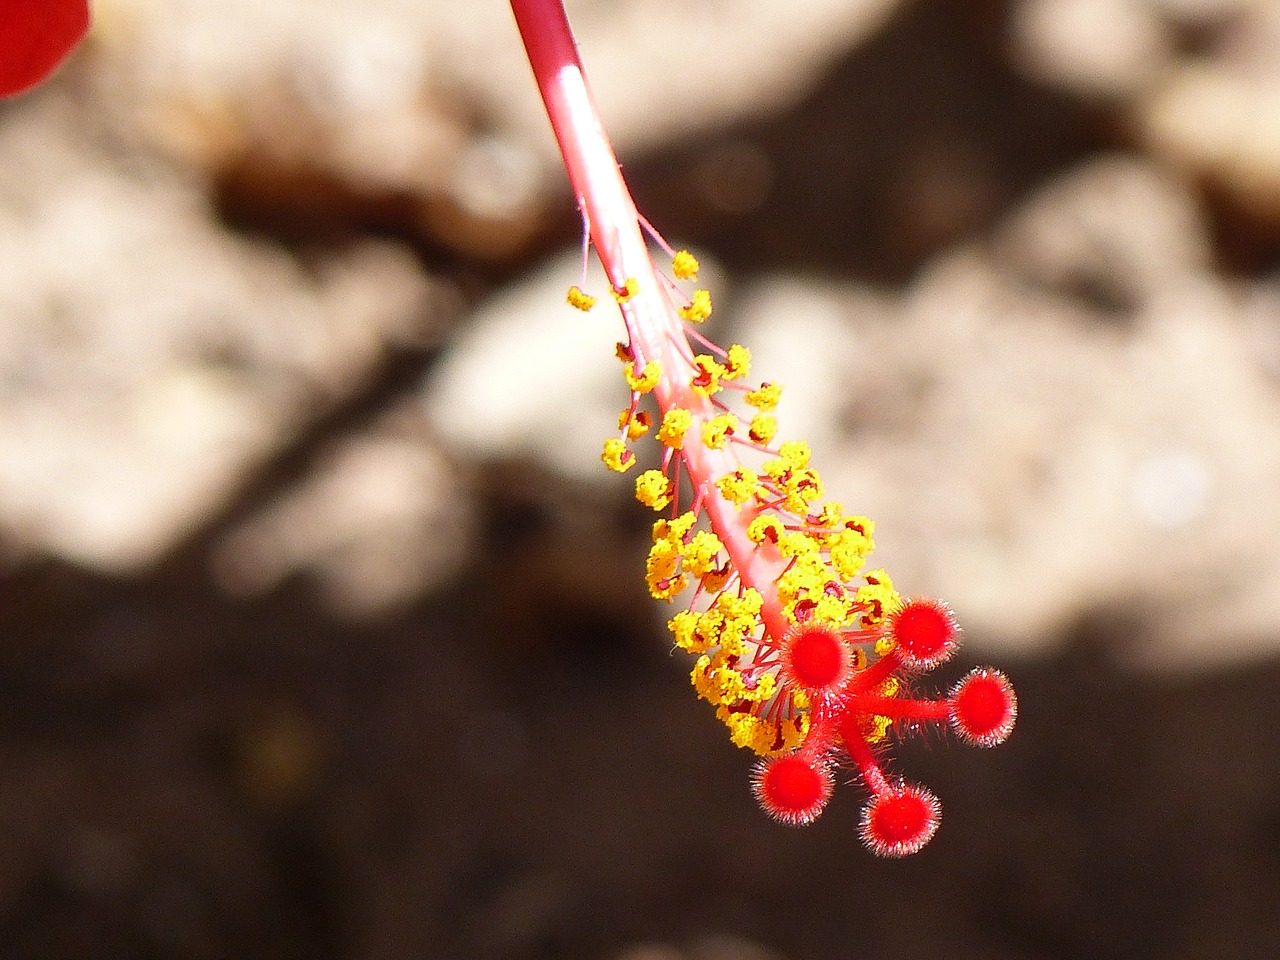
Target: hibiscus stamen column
[(802, 651)]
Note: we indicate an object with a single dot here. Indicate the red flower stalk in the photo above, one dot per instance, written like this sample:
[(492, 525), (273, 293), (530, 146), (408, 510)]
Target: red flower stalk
[(801, 650), (35, 37)]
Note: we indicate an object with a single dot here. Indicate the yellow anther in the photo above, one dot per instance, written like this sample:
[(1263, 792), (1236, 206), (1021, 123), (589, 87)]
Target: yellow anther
[(763, 428), (663, 559), (803, 580), (682, 630), (707, 374), (793, 732), (716, 681), (766, 686), (863, 526), (717, 430), (797, 544), (715, 581), (776, 470), (835, 611), (750, 603), (764, 399), (646, 379), (629, 289), (737, 362), (616, 456), (636, 424), (685, 265), (739, 486), (577, 298), (879, 729), (802, 488), (795, 453), (877, 597), (674, 529), (848, 551), (831, 515), (750, 732), (675, 424), (700, 553), (653, 489), (764, 528), (661, 570), (668, 589), (698, 308)]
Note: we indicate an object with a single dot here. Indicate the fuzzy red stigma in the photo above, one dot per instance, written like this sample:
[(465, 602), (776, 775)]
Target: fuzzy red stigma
[(898, 822), (983, 708), (793, 788), (925, 633), (816, 659), (35, 36)]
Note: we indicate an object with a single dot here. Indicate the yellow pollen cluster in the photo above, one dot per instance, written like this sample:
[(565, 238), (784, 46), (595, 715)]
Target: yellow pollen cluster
[(765, 527), (878, 596), (795, 453), (675, 424), (722, 685), (646, 379), (582, 301), (685, 266), (707, 374), (761, 735), (849, 549), (739, 486), (729, 624), (796, 485), (699, 307), (880, 725), (679, 550), (636, 423), (765, 398), (676, 528), (717, 430), (630, 288), (700, 553), (763, 428), (813, 553), (653, 489), (737, 362), (616, 456), (661, 571)]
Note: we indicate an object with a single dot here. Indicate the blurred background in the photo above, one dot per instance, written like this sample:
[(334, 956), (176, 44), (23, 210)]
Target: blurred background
[(323, 629)]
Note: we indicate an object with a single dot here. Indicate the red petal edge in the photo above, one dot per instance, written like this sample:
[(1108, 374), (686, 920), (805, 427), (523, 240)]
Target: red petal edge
[(35, 37)]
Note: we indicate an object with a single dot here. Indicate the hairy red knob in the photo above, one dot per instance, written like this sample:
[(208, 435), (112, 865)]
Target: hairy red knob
[(793, 788), (925, 633), (898, 822), (816, 658), (983, 708)]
